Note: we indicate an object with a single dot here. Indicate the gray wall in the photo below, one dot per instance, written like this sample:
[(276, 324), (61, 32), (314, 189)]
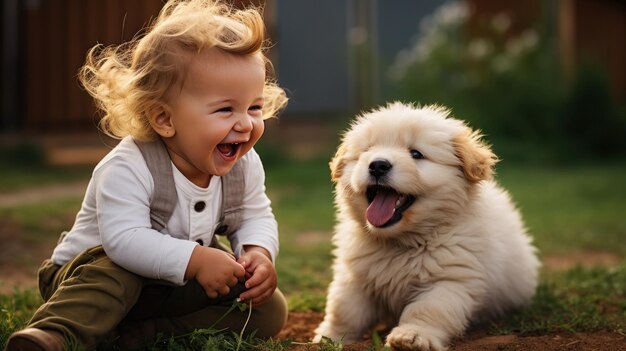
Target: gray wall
[(333, 55), (398, 25), (312, 55)]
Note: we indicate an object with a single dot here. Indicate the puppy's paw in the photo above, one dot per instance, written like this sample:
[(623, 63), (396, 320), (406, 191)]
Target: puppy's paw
[(325, 331), (410, 337)]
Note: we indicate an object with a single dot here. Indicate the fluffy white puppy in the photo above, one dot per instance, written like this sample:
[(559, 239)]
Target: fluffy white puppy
[(425, 238)]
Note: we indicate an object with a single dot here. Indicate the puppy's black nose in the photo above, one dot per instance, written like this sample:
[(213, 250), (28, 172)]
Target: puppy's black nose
[(379, 168)]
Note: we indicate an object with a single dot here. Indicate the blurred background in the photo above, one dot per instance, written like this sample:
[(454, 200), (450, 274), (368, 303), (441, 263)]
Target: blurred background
[(544, 80)]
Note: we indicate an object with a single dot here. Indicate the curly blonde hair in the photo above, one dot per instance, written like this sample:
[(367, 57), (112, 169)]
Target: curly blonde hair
[(129, 80)]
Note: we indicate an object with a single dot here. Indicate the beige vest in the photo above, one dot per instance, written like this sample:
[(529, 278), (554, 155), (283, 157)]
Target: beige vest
[(164, 197)]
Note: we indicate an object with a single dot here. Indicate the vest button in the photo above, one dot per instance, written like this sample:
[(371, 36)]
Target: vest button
[(199, 241), (221, 229), (199, 206)]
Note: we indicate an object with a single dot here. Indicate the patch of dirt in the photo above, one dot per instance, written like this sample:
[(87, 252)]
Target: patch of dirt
[(583, 259), (300, 327), (313, 237), (19, 257)]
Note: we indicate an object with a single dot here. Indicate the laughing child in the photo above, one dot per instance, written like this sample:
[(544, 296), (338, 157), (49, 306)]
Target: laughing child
[(188, 100)]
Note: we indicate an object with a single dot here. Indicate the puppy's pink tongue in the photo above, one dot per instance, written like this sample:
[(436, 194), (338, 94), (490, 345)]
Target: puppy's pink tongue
[(382, 208)]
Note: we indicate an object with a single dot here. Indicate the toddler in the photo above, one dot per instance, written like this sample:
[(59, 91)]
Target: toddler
[(188, 100)]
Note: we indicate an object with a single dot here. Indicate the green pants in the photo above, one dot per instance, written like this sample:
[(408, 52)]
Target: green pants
[(90, 296)]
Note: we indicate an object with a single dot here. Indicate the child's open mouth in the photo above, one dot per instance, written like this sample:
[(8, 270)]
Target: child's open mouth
[(228, 150)]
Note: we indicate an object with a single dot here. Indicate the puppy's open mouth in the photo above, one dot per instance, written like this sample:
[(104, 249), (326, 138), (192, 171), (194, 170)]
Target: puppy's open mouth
[(386, 205)]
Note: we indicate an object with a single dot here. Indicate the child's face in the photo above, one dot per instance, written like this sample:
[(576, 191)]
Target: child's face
[(217, 116)]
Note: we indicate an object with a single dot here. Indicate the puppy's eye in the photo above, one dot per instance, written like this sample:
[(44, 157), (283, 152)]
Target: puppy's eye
[(416, 154)]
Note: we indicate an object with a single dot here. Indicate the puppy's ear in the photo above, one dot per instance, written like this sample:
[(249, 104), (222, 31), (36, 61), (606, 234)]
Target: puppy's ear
[(476, 156), (337, 163)]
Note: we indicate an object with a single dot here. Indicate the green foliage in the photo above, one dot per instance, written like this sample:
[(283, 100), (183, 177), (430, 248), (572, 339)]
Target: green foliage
[(16, 310), (327, 344), (216, 340), (509, 84), (593, 119), (377, 343), (211, 339)]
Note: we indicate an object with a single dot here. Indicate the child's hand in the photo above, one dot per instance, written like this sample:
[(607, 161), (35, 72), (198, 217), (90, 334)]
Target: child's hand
[(215, 270), (262, 275)]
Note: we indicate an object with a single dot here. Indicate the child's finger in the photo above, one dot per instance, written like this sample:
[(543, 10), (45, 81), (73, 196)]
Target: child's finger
[(239, 271), (243, 261), (255, 292), (263, 296), (212, 294), (232, 281), (259, 276)]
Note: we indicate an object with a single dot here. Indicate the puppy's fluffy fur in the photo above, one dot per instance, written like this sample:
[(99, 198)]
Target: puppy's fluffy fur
[(451, 249)]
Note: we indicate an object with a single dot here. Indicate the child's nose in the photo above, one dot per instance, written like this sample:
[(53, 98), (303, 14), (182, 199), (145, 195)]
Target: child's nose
[(244, 123)]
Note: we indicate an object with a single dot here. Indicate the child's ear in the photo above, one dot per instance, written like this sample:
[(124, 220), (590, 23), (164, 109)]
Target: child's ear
[(161, 120)]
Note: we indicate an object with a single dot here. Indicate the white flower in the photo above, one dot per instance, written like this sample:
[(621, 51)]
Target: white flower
[(529, 39), (525, 42), (479, 48), (452, 13), (432, 34), (501, 22)]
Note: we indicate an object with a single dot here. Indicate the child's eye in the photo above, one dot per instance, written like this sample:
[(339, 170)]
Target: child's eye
[(256, 108), (224, 109)]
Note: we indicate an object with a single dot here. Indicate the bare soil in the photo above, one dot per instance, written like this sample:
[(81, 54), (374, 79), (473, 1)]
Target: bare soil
[(300, 327)]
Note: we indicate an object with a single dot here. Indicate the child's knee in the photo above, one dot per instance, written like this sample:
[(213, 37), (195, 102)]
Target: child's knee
[(272, 316), (103, 273)]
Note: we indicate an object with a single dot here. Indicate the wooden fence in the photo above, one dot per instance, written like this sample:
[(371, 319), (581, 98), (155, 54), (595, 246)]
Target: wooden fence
[(56, 35)]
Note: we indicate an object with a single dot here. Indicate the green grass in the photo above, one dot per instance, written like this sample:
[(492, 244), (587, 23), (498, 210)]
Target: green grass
[(303, 204), (15, 311), (581, 299), (17, 178), (42, 220), (569, 208)]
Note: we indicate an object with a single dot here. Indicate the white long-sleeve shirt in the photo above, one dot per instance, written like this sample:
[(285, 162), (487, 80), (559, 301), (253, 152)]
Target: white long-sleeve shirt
[(115, 213)]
